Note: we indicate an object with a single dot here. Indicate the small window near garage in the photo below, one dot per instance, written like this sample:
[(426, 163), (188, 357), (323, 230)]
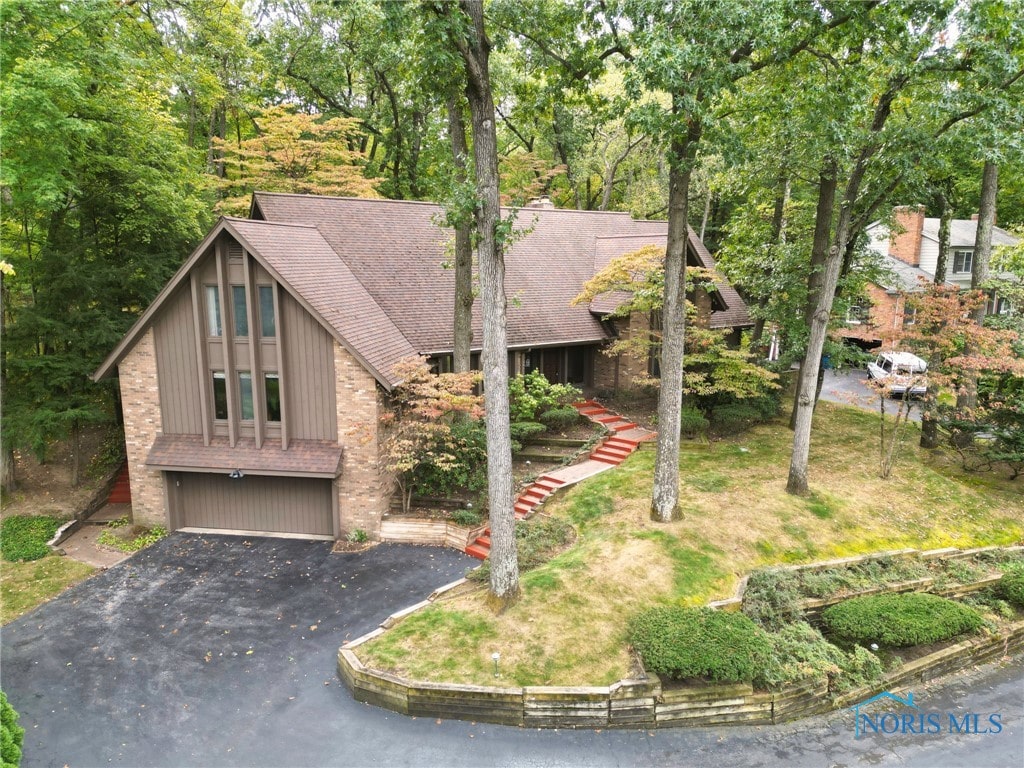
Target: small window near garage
[(268, 325), (220, 396), (239, 309), (962, 262), (245, 395), (213, 326), (909, 316), (272, 390), (856, 314)]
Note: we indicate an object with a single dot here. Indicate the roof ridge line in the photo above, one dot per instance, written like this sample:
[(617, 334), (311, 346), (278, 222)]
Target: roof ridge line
[(246, 220)]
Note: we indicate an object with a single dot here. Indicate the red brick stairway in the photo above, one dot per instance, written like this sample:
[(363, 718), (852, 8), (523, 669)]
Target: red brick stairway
[(121, 493), (625, 438)]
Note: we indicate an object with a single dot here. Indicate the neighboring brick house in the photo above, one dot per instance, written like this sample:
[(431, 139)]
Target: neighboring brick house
[(909, 255), (253, 385)]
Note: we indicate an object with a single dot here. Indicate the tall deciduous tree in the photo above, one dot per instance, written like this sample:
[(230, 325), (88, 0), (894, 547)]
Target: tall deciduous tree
[(468, 34)]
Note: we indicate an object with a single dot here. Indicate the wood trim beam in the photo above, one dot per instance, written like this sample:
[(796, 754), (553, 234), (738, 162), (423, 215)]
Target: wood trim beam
[(227, 339), (256, 374), (281, 376), (204, 370)]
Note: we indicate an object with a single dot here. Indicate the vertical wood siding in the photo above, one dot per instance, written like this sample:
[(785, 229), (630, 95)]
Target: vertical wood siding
[(309, 374), (177, 369), (272, 504)]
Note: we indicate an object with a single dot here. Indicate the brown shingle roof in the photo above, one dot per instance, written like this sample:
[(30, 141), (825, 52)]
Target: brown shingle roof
[(305, 261), (397, 250), (304, 458)]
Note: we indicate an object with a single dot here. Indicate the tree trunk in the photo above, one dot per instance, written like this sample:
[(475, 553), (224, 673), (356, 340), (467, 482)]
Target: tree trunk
[(819, 253), (821, 293), (930, 408), (463, 320), (967, 396), (475, 49), (665, 496), (8, 480)]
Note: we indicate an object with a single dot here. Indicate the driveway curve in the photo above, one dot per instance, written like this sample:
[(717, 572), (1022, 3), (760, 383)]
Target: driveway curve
[(220, 651)]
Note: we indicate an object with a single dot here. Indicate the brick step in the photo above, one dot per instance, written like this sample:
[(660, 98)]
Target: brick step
[(624, 426), (523, 508), (606, 458), (622, 442), (534, 494), (478, 552), (585, 403), (609, 419), (121, 492), (592, 411), (483, 541), (550, 479), (547, 485), (614, 450)]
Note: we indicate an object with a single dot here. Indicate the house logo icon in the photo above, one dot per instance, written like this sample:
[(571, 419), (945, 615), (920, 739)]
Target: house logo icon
[(907, 702)]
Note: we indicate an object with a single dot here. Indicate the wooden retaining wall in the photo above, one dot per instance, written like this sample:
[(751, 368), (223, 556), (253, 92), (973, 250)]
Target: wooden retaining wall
[(647, 703), (438, 533)]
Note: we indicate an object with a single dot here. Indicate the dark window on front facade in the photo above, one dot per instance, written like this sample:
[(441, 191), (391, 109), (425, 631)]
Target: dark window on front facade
[(962, 261), (238, 308), (268, 325), (245, 395), (220, 395), (213, 326), (577, 365), (272, 390), (909, 316)]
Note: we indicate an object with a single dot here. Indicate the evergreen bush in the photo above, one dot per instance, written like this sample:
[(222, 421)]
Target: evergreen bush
[(12, 736), (681, 643), (1011, 587), (898, 621)]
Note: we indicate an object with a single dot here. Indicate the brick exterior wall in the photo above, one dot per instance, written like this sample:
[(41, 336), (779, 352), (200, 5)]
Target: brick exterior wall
[(885, 319), (364, 490), (140, 403), (617, 372), (906, 245)]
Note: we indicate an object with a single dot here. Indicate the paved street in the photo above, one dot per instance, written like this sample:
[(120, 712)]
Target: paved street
[(220, 651), (850, 387)]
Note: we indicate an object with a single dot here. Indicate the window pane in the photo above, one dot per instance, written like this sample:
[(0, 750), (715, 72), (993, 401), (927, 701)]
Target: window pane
[(212, 311), (245, 394), (272, 388), (220, 396), (268, 327), (239, 309)]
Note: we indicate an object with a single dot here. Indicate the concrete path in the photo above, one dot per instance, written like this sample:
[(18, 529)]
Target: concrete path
[(220, 651)]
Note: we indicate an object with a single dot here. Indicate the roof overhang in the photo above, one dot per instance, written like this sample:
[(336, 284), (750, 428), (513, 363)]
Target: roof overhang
[(302, 458)]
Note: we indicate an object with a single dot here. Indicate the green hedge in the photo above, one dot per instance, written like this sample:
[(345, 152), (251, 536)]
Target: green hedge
[(898, 621), (521, 431), (1011, 587), (681, 643), (24, 537), (562, 417), (12, 736)]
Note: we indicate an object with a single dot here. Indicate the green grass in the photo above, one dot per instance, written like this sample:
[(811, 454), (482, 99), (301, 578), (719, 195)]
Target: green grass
[(25, 585), (569, 627)]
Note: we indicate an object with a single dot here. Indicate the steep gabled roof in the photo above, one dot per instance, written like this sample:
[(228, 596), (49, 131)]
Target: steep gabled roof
[(309, 269), (900, 277), (964, 232), (398, 251)]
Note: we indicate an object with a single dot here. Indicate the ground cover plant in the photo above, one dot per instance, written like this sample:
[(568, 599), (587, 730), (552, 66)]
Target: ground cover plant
[(570, 626), (124, 537), (24, 537), (899, 620)]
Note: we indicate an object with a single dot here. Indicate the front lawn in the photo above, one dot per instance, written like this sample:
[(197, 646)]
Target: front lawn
[(570, 626)]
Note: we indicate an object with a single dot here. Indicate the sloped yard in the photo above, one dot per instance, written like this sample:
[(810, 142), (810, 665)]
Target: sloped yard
[(569, 627)]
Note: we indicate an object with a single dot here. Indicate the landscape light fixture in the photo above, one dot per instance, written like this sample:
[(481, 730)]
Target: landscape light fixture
[(236, 474), (496, 657)]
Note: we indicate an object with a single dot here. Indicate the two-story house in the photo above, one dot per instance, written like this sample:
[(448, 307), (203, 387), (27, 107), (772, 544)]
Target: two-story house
[(909, 251), (253, 385)]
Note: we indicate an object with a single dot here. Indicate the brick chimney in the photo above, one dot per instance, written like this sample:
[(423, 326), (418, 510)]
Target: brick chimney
[(905, 236)]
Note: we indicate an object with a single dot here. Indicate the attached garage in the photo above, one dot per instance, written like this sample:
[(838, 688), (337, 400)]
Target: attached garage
[(271, 489), (253, 503)]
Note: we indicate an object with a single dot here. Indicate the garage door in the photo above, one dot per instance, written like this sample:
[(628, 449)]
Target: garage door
[(253, 503)]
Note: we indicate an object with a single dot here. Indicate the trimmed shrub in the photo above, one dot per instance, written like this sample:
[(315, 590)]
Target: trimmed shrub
[(898, 621), (466, 517), (1011, 587), (692, 422), (681, 643), (537, 540), (24, 537), (562, 417), (12, 736), (522, 431), (532, 394)]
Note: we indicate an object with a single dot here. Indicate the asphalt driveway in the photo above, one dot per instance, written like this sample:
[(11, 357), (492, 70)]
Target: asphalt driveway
[(851, 387), (220, 651)]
